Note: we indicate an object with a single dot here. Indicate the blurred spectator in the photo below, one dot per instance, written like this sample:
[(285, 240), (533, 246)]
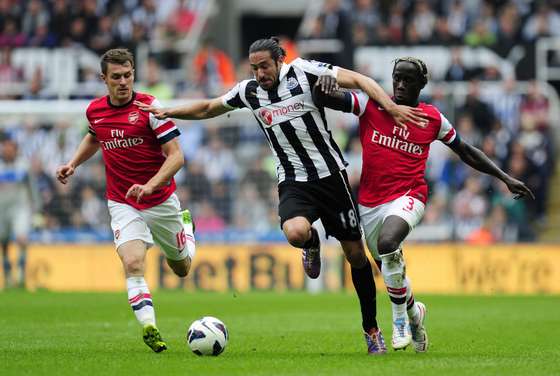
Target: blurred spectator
[(60, 19), (481, 112), (35, 16), (8, 73), (207, 220), (506, 103), (469, 207), (508, 29), (457, 19), (36, 90), (154, 85), (103, 39), (457, 70), (535, 109), (544, 23), (11, 36), (213, 69), (16, 198), (480, 35), (250, 211), (423, 20)]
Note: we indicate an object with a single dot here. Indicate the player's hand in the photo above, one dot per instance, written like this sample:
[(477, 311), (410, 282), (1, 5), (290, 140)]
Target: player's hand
[(139, 191), (328, 84), (64, 172), (518, 188), (405, 114), (159, 113)]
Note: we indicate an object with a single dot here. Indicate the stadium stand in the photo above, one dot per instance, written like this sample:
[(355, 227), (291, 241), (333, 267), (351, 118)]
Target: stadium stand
[(49, 65)]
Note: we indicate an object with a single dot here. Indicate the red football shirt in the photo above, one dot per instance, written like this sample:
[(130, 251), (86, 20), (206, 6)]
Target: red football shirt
[(131, 142), (394, 158)]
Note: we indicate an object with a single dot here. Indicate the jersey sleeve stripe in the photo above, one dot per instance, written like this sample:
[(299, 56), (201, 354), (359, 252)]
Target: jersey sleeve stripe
[(164, 128), (169, 136), (91, 131), (356, 104), (449, 137)]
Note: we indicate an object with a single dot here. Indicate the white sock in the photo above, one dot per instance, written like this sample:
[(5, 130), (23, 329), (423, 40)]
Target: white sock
[(411, 306), (140, 300), (191, 242), (393, 271)]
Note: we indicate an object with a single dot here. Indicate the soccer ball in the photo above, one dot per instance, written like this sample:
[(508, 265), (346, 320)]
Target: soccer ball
[(207, 336)]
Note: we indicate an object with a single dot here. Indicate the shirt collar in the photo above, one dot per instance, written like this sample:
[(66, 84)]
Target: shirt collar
[(283, 71)]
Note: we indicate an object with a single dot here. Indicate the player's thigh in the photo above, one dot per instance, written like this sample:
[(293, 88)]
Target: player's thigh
[(296, 203), (128, 224), (338, 209), (372, 220), (410, 209), (166, 225)]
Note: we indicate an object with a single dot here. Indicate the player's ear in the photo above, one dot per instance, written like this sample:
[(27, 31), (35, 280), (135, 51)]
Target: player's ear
[(103, 77)]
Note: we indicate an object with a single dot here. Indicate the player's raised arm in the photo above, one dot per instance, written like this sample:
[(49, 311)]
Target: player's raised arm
[(402, 114), (87, 148), (199, 109), (476, 158)]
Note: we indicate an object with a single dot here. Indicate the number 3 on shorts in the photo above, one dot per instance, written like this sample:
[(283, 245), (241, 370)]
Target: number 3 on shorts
[(352, 219), (410, 204)]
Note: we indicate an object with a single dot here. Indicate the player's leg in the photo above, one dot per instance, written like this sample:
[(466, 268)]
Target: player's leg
[(364, 284), (341, 219), (297, 213), (132, 239), (402, 215), (173, 231), (6, 264), (22, 227), (393, 231), (22, 260)]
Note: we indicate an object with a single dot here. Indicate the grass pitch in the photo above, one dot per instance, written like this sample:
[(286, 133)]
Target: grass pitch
[(274, 334)]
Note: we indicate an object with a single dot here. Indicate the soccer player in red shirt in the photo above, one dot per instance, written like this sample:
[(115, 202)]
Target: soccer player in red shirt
[(141, 155), (393, 192)]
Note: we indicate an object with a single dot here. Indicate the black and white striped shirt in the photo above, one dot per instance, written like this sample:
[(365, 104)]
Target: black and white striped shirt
[(296, 129)]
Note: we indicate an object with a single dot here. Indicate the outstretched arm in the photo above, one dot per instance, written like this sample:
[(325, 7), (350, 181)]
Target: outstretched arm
[(200, 109), (479, 161), (402, 114), (88, 147)]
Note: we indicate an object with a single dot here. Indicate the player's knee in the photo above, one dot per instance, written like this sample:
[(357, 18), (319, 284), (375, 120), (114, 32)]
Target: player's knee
[(296, 236), (386, 244), (133, 264)]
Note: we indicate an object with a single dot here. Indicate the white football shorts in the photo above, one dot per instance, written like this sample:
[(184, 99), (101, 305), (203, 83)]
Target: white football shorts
[(408, 208), (161, 224), (15, 221)]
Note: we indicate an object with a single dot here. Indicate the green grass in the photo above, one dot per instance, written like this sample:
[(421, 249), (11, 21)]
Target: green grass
[(273, 334)]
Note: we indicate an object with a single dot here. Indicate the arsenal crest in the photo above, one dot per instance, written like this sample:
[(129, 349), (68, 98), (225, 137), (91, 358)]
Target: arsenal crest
[(133, 117)]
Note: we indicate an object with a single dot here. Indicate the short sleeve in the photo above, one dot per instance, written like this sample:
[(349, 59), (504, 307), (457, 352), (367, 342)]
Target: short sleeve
[(358, 102), (232, 99), (91, 130), (316, 68), (446, 131), (165, 129)]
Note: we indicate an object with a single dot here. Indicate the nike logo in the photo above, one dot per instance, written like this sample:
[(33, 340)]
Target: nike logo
[(380, 108), (97, 120)]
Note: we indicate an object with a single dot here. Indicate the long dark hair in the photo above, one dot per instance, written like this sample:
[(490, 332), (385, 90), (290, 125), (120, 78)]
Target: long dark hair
[(271, 44)]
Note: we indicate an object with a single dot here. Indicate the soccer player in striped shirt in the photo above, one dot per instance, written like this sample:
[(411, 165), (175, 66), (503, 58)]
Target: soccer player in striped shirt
[(393, 192), (141, 155), (311, 169)]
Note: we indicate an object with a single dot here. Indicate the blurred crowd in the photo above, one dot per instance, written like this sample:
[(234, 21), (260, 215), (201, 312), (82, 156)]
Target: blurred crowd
[(497, 24), (229, 179)]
